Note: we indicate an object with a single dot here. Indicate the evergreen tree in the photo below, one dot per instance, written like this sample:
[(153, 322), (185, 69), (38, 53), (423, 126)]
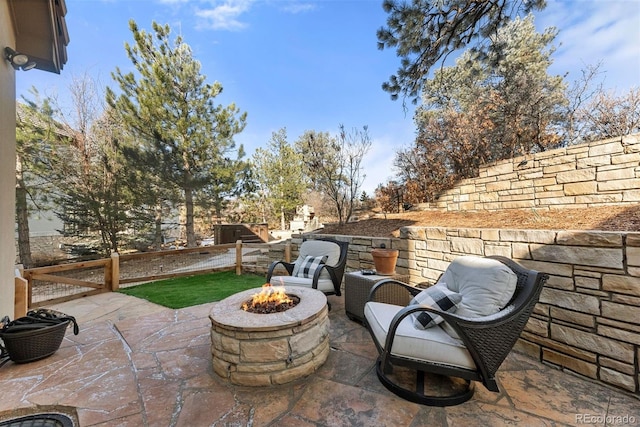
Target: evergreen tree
[(39, 142), (227, 183), (89, 173), (424, 32), (279, 174), (485, 108), (95, 192), (186, 138), (527, 103)]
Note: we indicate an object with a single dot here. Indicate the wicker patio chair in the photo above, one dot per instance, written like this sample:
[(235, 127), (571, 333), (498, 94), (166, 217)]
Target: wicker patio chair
[(320, 265), (469, 344)]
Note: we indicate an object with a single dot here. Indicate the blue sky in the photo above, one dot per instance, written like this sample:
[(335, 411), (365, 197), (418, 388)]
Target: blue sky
[(312, 65)]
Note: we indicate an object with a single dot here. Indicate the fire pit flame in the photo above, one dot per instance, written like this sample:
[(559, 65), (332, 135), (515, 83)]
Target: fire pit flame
[(271, 299)]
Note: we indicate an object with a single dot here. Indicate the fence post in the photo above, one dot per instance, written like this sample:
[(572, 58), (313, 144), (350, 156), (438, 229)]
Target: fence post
[(115, 272), (21, 299), (238, 257), (287, 251), (26, 274)]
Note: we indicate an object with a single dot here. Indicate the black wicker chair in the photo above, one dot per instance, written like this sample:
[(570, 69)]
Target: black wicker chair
[(488, 339), (327, 277)]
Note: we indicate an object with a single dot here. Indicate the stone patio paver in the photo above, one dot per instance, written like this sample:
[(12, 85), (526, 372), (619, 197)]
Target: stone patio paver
[(138, 364)]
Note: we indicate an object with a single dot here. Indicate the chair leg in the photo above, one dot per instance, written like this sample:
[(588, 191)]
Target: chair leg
[(418, 395)]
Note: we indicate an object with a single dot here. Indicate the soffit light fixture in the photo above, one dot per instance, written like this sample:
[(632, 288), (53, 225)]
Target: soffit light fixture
[(18, 60)]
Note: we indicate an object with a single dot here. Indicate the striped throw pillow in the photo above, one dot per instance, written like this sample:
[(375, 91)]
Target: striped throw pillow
[(439, 297), (308, 266)]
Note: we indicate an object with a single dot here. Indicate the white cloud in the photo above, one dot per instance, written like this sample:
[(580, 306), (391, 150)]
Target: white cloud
[(592, 32), (298, 7), (225, 15)]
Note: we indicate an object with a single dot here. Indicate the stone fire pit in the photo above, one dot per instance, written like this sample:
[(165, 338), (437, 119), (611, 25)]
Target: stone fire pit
[(254, 349)]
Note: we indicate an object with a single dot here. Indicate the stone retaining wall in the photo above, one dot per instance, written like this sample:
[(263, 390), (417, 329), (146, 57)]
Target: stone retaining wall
[(593, 174), (588, 317)]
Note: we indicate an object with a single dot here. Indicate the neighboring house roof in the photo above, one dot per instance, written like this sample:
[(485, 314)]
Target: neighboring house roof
[(25, 115), (41, 32)]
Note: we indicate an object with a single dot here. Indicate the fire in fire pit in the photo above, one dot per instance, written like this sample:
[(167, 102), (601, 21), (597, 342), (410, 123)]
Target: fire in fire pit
[(271, 299)]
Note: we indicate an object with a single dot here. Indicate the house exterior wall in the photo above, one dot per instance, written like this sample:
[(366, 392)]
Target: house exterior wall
[(44, 223), (598, 173), (7, 166)]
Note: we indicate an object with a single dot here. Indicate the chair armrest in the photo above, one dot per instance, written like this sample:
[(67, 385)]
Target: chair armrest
[(463, 325), (331, 270), (333, 274), (460, 324), (501, 329), (287, 265), (392, 291)]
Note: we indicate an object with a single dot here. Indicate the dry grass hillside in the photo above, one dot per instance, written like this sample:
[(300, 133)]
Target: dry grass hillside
[(607, 218)]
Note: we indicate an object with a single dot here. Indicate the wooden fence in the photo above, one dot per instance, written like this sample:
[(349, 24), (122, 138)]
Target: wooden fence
[(59, 283)]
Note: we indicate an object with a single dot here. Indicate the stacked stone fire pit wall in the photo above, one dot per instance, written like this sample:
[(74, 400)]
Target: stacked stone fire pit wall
[(252, 349)]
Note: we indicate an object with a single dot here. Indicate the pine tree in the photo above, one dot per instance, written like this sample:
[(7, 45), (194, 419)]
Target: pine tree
[(278, 169), (170, 109), (490, 106), (90, 174), (39, 142), (424, 32)]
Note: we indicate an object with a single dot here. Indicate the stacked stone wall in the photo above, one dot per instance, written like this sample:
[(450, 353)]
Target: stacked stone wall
[(599, 173), (587, 320)]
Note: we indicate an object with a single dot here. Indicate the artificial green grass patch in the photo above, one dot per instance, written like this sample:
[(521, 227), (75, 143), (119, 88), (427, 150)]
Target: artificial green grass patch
[(187, 291)]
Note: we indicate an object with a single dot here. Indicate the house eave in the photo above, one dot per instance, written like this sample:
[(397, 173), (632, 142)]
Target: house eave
[(41, 32)]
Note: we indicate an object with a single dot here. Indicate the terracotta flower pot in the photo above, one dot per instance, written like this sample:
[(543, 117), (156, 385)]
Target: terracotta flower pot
[(385, 261)]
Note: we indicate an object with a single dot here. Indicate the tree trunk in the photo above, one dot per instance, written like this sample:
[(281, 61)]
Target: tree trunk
[(188, 202), (218, 214), (22, 218), (339, 209), (157, 242)]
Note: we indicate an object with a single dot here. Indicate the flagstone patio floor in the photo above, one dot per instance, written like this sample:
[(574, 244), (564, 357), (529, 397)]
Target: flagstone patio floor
[(138, 364)]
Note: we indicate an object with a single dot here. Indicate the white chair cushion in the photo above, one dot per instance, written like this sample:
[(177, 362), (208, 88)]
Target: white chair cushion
[(324, 285), (438, 296), (486, 285), (308, 266), (319, 248), (316, 248), (432, 345)]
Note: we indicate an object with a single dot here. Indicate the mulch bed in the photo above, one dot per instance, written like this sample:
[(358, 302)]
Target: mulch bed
[(606, 218)]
